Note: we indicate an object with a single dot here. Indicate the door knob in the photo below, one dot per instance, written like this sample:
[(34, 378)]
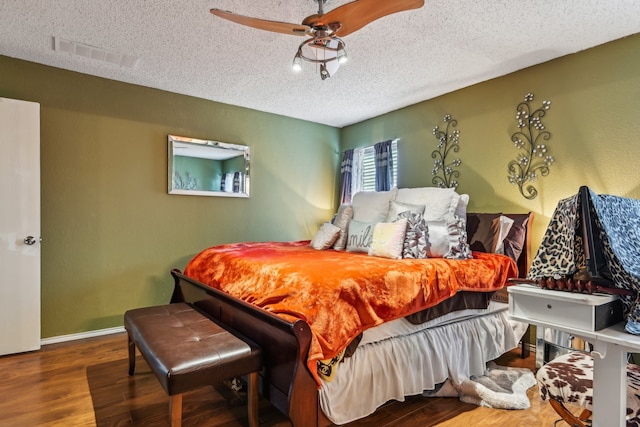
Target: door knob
[(30, 240)]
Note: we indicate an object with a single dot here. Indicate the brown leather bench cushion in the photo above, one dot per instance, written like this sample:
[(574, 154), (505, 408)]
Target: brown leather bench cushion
[(187, 350)]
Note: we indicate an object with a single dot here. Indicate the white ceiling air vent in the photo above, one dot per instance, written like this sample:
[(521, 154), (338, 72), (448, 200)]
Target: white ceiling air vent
[(92, 52)]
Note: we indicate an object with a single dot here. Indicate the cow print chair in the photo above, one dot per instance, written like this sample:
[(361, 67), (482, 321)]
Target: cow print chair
[(568, 381)]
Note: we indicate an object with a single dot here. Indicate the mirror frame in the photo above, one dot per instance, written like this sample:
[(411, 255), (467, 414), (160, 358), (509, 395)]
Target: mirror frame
[(175, 141)]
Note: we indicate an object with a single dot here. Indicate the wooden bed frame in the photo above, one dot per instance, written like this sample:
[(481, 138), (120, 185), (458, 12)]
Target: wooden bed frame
[(285, 381)]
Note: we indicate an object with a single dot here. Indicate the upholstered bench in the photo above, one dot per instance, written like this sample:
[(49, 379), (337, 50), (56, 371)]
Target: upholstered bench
[(187, 350), (568, 380)]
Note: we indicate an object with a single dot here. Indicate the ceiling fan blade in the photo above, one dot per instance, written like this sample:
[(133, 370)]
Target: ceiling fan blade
[(263, 24), (355, 15)]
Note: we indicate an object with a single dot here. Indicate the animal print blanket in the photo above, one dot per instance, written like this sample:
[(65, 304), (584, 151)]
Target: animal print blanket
[(617, 232)]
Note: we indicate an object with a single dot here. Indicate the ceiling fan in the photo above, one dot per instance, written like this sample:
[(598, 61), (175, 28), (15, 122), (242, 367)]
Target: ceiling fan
[(325, 47)]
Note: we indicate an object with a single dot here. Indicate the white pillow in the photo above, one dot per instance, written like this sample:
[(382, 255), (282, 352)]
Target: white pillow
[(461, 209), (417, 195), (438, 242), (372, 206), (388, 239), (505, 227), (325, 237), (396, 208), (438, 202), (448, 239)]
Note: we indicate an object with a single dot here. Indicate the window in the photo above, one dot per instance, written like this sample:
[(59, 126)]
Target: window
[(369, 167), (358, 171), (364, 177)]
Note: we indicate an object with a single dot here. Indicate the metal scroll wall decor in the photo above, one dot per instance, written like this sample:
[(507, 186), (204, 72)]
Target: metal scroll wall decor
[(533, 159), (444, 174)]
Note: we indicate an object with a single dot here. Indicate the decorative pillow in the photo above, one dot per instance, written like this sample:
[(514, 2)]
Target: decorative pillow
[(438, 242), (458, 246), (461, 213), (504, 228), (360, 235), (461, 209), (482, 229), (514, 242), (344, 215), (388, 239), (396, 208), (445, 212), (325, 237), (415, 240), (372, 206), (445, 239)]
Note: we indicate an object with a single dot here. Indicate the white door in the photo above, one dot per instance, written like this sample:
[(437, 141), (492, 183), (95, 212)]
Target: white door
[(19, 226)]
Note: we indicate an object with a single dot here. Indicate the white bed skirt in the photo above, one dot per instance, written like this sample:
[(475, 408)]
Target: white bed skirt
[(407, 365)]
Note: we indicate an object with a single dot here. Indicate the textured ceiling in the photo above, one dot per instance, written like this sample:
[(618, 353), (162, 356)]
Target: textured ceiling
[(395, 61)]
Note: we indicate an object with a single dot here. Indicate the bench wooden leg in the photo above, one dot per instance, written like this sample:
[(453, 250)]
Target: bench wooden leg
[(132, 355), (175, 410), (252, 399)]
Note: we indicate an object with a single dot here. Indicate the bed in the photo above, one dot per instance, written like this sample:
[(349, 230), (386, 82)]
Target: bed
[(326, 317)]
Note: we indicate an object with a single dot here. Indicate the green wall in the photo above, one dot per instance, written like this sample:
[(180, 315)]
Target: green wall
[(593, 120), (111, 233)]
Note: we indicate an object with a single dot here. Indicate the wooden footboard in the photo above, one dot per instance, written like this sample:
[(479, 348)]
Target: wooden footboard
[(286, 381)]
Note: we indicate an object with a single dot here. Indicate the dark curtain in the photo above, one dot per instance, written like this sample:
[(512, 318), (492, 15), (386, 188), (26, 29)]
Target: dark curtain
[(346, 176), (384, 165)]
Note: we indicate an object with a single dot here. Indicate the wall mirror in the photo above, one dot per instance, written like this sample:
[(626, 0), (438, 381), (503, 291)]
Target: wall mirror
[(208, 168)]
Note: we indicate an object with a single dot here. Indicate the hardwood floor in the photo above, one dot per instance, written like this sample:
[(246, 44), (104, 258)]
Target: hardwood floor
[(85, 383)]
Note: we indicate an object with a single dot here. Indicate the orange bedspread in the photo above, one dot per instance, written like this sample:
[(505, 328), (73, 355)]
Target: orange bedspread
[(340, 294)]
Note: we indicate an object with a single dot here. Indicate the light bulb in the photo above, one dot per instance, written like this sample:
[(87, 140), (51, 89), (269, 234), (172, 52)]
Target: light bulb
[(297, 63)]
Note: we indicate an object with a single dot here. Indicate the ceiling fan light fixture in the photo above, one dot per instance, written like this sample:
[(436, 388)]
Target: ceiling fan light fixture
[(324, 49)]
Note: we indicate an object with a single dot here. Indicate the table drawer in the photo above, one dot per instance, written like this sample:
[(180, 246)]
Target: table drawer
[(590, 312)]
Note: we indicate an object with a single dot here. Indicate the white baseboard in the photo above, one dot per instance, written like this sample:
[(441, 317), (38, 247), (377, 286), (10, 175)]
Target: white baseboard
[(82, 335)]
